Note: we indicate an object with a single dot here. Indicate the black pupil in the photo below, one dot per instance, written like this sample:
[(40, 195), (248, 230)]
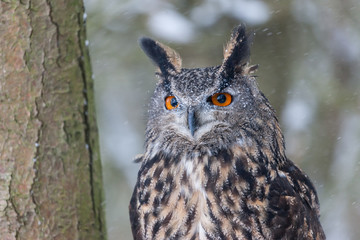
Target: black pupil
[(221, 98), (173, 102)]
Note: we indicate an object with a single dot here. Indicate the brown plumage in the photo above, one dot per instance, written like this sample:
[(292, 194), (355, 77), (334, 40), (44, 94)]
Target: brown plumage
[(215, 165)]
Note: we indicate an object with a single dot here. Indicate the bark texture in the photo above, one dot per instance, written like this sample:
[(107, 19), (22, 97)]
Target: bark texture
[(50, 169)]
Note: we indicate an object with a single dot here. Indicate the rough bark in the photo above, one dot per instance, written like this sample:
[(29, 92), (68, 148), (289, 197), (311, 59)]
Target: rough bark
[(50, 169)]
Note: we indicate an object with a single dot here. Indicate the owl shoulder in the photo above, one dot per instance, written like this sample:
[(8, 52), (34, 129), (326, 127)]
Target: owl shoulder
[(293, 205)]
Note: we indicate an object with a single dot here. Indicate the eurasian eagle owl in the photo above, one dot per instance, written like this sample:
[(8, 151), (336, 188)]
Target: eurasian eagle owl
[(214, 165)]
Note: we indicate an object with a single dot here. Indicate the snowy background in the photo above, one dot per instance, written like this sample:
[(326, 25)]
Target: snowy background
[(309, 56)]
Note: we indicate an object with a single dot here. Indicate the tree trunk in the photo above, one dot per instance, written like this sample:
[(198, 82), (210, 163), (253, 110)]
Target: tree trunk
[(50, 169)]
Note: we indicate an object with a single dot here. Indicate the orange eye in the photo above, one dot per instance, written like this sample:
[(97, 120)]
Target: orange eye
[(171, 102), (221, 99)]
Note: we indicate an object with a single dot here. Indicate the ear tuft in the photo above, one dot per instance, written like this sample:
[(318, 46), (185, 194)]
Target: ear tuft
[(236, 53), (167, 59)]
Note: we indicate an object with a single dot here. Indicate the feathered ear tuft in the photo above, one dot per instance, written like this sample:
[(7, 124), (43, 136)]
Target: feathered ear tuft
[(167, 59), (236, 53)]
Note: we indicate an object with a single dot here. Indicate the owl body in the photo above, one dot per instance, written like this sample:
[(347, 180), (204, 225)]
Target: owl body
[(215, 165)]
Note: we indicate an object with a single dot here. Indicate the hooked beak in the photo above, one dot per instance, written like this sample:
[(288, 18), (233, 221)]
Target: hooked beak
[(192, 121)]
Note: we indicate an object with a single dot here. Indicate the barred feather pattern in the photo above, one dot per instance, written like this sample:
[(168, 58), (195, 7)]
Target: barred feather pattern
[(235, 193)]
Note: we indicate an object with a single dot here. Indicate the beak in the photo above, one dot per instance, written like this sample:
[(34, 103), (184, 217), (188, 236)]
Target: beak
[(192, 121)]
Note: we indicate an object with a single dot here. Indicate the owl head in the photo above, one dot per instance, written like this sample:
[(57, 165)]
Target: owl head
[(209, 108)]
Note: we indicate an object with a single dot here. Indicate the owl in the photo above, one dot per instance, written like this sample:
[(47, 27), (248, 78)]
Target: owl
[(214, 165)]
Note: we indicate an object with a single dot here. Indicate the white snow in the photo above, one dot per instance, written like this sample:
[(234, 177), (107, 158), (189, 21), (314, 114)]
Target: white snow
[(171, 26), (253, 12), (297, 114)]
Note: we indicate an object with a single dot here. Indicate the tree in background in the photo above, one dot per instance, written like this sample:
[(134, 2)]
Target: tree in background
[(50, 169)]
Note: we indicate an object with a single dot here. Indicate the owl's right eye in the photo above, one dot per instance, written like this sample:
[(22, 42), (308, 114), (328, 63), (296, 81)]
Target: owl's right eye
[(171, 102)]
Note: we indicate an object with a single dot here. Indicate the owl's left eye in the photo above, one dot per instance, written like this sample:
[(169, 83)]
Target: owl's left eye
[(221, 99), (171, 102)]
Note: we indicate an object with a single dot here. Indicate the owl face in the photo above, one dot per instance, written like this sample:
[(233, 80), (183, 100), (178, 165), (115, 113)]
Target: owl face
[(201, 108), (197, 110)]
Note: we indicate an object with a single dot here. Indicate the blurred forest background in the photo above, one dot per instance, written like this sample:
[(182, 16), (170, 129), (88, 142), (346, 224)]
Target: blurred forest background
[(309, 57)]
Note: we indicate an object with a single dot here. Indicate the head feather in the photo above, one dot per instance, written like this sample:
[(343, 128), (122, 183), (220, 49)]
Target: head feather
[(236, 54), (167, 59)]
